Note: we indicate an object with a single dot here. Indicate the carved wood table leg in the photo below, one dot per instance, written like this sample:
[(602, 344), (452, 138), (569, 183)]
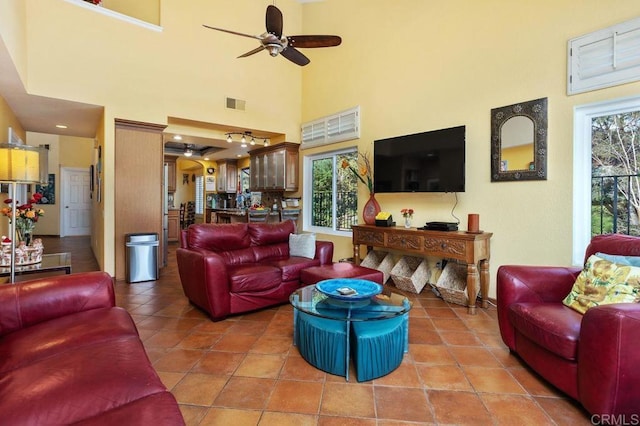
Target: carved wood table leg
[(484, 282), (472, 287), (356, 254)]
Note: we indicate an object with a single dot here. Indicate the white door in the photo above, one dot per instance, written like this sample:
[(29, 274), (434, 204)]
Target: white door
[(76, 203)]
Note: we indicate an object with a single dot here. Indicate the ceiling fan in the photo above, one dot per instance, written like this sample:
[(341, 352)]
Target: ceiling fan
[(274, 42)]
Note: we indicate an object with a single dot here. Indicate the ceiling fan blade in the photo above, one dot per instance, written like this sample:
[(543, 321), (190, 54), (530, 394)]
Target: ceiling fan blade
[(295, 56), (307, 41), (274, 20), (232, 32), (256, 50)]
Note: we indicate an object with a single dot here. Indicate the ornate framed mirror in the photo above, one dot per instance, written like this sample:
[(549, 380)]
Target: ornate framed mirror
[(519, 141)]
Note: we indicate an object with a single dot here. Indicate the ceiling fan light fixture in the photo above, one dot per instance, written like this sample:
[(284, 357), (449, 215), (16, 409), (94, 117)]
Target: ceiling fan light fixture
[(273, 49), (188, 152)]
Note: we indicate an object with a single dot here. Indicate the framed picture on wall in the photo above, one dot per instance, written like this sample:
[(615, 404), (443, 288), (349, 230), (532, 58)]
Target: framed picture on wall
[(48, 191)]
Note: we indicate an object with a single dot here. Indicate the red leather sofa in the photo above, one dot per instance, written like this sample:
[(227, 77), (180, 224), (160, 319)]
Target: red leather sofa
[(68, 355), (239, 267), (595, 357)]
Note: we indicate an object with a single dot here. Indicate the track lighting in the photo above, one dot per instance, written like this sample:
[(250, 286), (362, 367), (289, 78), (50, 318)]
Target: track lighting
[(244, 136)]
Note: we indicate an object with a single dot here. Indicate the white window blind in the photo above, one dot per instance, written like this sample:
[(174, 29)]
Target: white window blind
[(604, 58), (339, 127)]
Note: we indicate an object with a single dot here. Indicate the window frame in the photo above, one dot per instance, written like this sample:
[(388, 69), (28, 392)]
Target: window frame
[(307, 192), (582, 117)]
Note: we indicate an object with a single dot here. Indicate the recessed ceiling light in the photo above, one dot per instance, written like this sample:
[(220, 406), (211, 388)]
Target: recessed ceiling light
[(61, 126), (177, 137)]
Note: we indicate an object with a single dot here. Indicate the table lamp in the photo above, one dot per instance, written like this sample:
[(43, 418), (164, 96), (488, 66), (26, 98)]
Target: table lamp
[(21, 164)]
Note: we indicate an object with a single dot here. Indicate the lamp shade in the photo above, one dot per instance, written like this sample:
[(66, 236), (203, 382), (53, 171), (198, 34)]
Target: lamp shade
[(23, 163)]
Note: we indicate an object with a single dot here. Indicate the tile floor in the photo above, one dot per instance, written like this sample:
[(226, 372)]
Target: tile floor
[(245, 371)]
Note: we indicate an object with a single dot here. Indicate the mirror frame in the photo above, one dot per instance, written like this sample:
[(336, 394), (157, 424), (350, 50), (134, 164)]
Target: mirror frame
[(535, 110)]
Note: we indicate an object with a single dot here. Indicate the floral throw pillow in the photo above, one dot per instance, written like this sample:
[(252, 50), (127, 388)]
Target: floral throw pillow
[(602, 282)]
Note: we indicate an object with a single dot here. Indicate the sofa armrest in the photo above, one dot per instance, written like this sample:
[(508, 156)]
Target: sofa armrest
[(324, 252), (542, 284), (608, 359), (30, 302), (205, 280)]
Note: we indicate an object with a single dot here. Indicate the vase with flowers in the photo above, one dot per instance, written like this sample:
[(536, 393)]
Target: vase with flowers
[(26, 217), (362, 170), (408, 215)]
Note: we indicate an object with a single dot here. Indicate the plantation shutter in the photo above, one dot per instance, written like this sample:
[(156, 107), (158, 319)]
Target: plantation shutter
[(604, 58), (339, 127)]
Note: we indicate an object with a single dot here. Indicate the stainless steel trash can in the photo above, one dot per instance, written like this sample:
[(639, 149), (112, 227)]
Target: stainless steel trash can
[(141, 257)]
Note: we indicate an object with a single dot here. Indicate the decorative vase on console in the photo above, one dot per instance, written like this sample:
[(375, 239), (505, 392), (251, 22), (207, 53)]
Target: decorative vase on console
[(408, 215), (371, 210)]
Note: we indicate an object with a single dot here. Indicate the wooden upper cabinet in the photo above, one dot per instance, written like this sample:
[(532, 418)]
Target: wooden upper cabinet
[(275, 167), (171, 175), (227, 176)]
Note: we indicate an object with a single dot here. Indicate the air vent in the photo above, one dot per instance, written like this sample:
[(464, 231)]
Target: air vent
[(236, 104)]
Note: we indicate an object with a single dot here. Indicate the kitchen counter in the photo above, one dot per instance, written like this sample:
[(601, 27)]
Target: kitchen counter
[(236, 215)]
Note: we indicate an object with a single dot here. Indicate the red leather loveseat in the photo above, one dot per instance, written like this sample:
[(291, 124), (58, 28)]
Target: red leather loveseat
[(238, 267), (595, 357), (69, 356)]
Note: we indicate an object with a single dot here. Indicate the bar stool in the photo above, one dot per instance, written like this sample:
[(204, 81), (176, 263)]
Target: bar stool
[(258, 216)]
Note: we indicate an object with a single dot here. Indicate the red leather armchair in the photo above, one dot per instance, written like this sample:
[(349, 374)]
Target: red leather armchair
[(594, 357)]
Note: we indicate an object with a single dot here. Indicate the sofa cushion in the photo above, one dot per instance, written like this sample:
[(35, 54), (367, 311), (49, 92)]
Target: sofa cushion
[(271, 251), (292, 266), (252, 278), (303, 245), (602, 282), (550, 325), (67, 333), (219, 237), (271, 233)]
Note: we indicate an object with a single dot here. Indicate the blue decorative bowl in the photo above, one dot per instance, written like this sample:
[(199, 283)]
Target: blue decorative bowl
[(349, 289)]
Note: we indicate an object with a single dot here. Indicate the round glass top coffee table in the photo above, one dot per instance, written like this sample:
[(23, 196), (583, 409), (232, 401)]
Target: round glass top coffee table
[(330, 327)]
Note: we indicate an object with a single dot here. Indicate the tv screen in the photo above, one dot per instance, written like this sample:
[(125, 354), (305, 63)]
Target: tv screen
[(423, 162)]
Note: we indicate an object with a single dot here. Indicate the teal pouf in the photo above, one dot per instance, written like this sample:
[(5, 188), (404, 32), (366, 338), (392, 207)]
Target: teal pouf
[(377, 347), (322, 342)]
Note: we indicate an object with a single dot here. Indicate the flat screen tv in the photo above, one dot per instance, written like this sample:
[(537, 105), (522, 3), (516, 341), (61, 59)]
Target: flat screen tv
[(423, 162)]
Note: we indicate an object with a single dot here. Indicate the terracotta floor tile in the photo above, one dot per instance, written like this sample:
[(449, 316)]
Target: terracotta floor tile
[(268, 344), (345, 399), (469, 355), (199, 340), (405, 404), (431, 354), (460, 338), (229, 416), (198, 389), (192, 414), (515, 409), (533, 383), (221, 363), (245, 392), (261, 365), (438, 312), (495, 380), (248, 327), (296, 397), (297, 368), (178, 360), (449, 324), (235, 342), (165, 339), (564, 411), (405, 375), (418, 335), (170, 379), (286, 419), (458, 408), (345, 421), (447, 377)]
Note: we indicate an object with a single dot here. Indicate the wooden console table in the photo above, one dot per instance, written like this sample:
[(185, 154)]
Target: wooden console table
[(472, 249)]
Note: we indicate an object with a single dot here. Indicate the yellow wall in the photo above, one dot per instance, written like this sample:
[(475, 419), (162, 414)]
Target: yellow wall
[(416, 65), (145, 10), (412, 66), (7, 119), (518, 157)]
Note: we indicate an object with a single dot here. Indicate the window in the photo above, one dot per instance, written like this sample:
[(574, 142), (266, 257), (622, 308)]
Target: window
[(199, 194), (330, 203), (585, 199)]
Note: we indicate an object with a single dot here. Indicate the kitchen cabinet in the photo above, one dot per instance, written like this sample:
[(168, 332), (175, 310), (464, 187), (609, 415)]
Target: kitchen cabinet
[(171, 175), (275, 167), (173, 225), (227, 176)]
